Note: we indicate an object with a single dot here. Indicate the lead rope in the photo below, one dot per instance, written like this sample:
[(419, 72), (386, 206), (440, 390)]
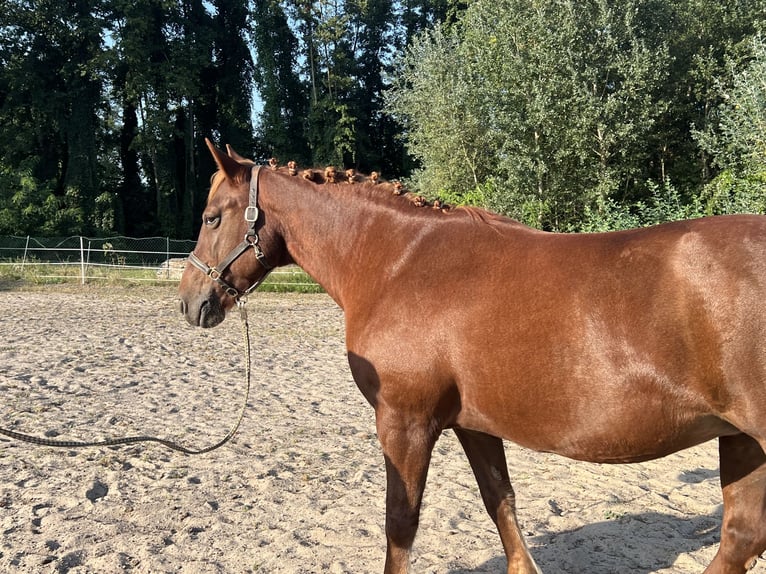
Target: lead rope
[(165, 442)]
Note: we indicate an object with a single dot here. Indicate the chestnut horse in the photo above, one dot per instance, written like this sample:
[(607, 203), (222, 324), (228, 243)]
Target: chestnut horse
[(611, 347)]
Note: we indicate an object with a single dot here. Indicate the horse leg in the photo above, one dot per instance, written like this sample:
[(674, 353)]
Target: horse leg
[(487, 457), (743, 480), (407, 447)]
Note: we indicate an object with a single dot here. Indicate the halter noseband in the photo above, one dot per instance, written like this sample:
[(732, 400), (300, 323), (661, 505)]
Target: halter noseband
[(251, 240)]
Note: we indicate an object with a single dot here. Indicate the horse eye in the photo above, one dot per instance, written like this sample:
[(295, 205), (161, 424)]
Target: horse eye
[(211, 220)]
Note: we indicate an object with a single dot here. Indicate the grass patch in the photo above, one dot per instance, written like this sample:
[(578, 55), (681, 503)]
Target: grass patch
[(291, 279)]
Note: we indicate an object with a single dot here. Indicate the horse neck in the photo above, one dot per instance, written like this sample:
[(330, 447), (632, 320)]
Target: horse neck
[(335, 232)]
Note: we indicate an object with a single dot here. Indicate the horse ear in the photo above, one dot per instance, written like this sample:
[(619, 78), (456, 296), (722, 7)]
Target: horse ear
[(228, 165), (235, 156)]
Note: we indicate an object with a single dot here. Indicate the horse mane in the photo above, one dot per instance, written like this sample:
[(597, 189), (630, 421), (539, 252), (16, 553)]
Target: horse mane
[(372, 182)]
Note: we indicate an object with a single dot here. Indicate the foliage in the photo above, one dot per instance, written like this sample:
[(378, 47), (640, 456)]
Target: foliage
[(103, 109), (567, 108), (322, 75), (433, 97), (284, 95), (664, 203), (554, 112), (741, 130), (479, 195), (32, 208), (738, 141), (730, 192), (49, 105)]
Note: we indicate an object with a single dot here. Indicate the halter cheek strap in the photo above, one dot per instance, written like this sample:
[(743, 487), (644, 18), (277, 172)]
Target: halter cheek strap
[(251, 240)]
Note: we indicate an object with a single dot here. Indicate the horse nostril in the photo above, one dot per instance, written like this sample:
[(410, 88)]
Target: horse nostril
[(182, 306), (210, 313)]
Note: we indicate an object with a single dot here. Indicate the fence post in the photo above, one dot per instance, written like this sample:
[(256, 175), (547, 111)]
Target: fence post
[(82, 261), (24, 259), (167, 258)]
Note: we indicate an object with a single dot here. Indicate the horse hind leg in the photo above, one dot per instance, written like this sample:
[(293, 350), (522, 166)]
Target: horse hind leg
[(487, 457), (743, 481)]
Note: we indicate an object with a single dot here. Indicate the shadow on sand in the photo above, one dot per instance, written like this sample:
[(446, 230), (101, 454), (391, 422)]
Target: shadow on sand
[(636, 543)]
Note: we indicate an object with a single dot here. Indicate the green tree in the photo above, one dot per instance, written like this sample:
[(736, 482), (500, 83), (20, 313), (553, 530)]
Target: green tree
[(331, 118), (234, 73), (547, 103), (702, 36), (324, 67), (182, 72), (49, 105), (138, 54), (376, 145), (282, 125), (436, 101), (737, 143), (557, 108), (104, 107)]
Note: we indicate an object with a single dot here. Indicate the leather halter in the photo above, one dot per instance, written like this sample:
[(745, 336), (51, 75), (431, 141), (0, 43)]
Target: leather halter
[(251, 240)]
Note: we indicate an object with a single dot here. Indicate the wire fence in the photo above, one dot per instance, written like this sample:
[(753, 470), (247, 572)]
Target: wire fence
[(118, 258)]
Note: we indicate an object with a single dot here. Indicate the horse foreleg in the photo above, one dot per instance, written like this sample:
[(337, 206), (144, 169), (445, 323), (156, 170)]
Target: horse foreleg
[(743, 480), (407, 447), (487, 457)]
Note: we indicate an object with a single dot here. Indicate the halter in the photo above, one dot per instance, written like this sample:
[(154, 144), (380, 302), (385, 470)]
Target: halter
[(251, 240)]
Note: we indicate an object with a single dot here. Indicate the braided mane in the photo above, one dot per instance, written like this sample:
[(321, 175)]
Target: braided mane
[(331, 175)]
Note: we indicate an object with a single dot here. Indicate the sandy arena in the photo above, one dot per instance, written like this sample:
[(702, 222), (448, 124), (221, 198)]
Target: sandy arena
[(300, 488)]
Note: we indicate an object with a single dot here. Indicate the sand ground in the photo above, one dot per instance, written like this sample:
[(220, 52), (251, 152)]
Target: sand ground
[(301, 486)]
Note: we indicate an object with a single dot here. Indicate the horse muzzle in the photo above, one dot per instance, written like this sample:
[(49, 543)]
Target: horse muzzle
[(203, 311)]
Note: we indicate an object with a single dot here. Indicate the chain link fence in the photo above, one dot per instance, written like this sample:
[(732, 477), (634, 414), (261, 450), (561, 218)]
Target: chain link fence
[(118, 258)]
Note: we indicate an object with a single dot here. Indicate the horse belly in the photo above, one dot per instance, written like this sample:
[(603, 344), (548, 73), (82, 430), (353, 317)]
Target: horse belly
[(623, 442), (607, 427)]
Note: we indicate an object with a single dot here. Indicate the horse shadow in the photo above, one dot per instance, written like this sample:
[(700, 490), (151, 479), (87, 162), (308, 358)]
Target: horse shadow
[(638, 543)]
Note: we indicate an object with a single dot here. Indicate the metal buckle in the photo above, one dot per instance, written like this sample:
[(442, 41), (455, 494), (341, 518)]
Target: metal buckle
[(251, 214), (214, 274)]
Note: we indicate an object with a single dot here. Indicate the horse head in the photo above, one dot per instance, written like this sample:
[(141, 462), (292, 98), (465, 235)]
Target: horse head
[(236, 248)]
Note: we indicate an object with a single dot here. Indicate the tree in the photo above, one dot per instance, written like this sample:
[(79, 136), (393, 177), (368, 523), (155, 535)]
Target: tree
[(284, 95), (51, 84), (104, 107), (183, 71), (435, 100), (737, 143), (376, 145), (547, 102), (139, 51), (234, 73), (702, 36), (323, 69)]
